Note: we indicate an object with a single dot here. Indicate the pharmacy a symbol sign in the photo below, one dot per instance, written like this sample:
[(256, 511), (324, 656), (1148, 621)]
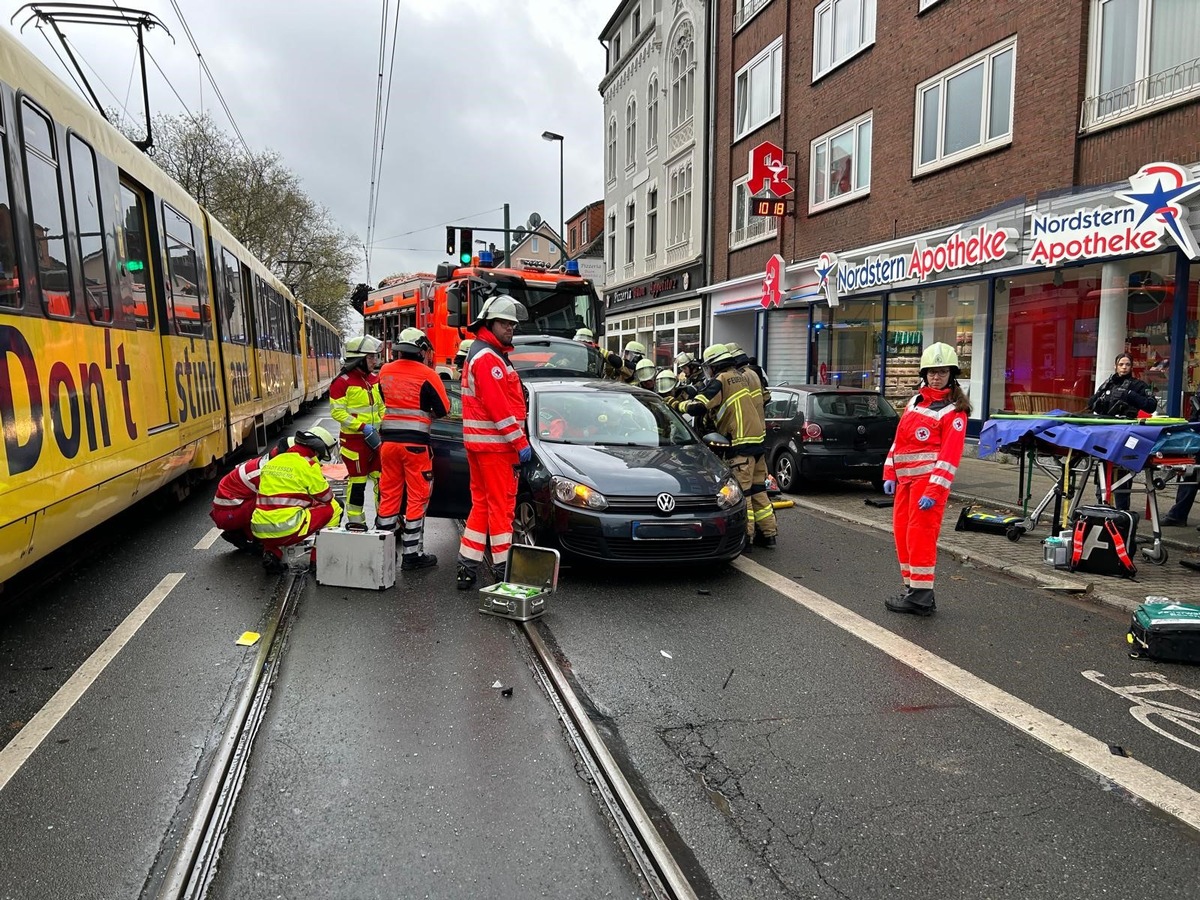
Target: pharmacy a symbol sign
[(772, 285), (768, 173)]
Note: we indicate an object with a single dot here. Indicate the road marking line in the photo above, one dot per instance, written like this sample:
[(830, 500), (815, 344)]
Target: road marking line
[(209, 539), (1141, 780), (29, 738)]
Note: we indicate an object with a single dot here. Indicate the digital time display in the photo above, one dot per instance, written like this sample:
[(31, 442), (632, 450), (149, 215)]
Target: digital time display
[(768, 206)]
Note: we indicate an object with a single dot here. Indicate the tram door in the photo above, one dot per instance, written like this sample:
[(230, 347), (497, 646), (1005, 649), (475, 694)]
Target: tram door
[(138, 302)]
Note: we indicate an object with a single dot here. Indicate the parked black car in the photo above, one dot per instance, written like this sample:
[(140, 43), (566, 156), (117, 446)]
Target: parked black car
[(819, 431), (616, 475)]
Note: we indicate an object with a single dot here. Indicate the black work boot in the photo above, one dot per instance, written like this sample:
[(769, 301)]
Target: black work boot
[(764, 540), (917, 602), (898, 598), (748, 546), (410, 561), (272, 563), (466, 578)]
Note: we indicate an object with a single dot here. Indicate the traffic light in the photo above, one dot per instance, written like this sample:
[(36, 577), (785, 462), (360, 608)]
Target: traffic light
[(449, 240), (465, 246)]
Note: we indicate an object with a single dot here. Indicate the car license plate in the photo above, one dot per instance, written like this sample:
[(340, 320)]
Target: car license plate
[(668, 531)]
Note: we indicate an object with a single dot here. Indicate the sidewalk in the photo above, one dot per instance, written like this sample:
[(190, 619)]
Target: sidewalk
[(991, 485)]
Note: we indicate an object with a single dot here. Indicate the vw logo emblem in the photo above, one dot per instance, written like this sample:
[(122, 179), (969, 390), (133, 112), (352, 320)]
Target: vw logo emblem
[(665, 502), (862, 429)]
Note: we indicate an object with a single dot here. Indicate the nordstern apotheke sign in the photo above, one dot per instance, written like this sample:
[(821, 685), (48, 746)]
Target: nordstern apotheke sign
[(1153, 208)]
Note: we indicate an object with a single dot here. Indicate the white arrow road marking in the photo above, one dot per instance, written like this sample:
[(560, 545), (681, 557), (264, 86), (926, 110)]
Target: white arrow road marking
[(29, 738), (1141, 780)]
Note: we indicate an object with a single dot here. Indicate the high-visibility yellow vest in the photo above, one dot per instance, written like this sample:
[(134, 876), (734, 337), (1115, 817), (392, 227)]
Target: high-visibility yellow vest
[(289, 485), (354, 401)]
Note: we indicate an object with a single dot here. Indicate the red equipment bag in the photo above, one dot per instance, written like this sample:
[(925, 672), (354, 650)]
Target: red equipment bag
[(1104, 541)]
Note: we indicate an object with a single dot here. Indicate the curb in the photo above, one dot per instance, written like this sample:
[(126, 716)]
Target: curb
[(1039, 577)]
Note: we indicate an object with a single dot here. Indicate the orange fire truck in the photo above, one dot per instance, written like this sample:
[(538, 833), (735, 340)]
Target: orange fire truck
[(559, 302)]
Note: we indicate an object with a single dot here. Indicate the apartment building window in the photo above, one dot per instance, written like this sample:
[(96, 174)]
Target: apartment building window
[(652, 115), (759, 86), (841, 28), (840, 167), (967, 109), (631, 133), (637, 21), (745, 10), (583, 235), (630, 214), (611, 154), (683, 61), (1141, 54), (746, 229), (574, 238), (533, 245), (612, 241), (651, 221), (925, 4), (680, 212), (616, 48)]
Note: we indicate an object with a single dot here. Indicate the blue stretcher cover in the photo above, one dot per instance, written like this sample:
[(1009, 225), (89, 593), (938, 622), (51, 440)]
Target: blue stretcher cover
[(1126, 444)]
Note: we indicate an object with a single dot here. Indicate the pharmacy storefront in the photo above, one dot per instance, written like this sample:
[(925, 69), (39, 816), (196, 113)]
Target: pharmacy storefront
[(1036, 300)]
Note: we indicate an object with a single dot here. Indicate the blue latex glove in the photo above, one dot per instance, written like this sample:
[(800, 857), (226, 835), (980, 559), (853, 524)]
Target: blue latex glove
[(368, 429), (889, 487), (925, 503), (525, 454)]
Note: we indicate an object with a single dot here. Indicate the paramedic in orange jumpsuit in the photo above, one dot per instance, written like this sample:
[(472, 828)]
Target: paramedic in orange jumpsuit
[(919, 470), (413, 396), (494, 436)]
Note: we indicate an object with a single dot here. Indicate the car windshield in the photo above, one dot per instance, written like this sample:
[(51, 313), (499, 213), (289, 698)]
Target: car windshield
[(555, 359), (867, 405), (609, 418)]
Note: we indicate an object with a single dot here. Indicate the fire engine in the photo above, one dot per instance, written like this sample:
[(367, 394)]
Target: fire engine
[(559, 302)]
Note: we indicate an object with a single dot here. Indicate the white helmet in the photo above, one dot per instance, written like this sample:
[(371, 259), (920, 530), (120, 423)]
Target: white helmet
[(585, 335), (666, 382), (503, 308), (363, 346), (644, 370), (413, 342), (938, 356), (318, 439)]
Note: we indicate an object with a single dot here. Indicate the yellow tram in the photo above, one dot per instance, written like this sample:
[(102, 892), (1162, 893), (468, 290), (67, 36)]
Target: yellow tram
[(140, 343)]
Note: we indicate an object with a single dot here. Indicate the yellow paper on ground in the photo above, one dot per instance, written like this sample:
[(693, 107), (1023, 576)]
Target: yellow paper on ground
[(248, 639)]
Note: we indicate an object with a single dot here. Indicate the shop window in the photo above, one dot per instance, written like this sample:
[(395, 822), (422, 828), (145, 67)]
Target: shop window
[(966, 110), (848, 344), (841, 165), (841, 28)]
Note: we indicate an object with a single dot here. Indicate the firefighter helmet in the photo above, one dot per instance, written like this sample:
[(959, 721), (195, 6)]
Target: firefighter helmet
[(318, 439), (413, 342), (363, 346), (715, 353), (585, 335), (939, 356), (636, 347), (464, 346), (684, 359), (733, 348), (665, 383), (644, 370), (503, 308)]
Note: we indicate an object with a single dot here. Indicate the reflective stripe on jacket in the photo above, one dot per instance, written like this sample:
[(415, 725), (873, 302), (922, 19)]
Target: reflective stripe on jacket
[(493, 403), (929, 442), (354, 401), (241, 484), (729, 398), (413, 396), (288, 485)]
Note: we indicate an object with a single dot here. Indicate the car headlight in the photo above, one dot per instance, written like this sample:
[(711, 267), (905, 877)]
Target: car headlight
[(573, 493), (729, 494)]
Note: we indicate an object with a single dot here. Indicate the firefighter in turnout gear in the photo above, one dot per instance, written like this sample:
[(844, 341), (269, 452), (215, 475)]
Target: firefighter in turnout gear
[(688, 370), (233, 504), (761, 396), (493, 434), (644, 374), (621, 368), (355, 405), (413, 396), (727, 397), (919, 470), (294, 499)]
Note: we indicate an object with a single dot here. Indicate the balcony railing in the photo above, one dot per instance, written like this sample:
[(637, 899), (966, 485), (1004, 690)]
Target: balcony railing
[(1161, 88), (678, 253), (759, 227), (745, 10)]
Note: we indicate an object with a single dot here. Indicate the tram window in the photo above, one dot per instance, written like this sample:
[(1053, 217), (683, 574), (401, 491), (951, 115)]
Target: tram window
[(46, 213), (133, 284), (183, 275), (233, 305), (90, 230), (10, 282)]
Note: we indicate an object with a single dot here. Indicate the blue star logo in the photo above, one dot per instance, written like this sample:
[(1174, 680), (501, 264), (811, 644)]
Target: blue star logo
[(1165, 202)]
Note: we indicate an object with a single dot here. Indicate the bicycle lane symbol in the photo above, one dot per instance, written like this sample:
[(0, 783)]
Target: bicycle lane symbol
[(1158, 715)]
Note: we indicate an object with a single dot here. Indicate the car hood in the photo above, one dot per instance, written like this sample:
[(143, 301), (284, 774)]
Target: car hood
[(688, 470)]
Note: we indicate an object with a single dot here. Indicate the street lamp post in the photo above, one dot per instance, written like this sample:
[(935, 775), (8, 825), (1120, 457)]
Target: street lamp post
[(562, 225)]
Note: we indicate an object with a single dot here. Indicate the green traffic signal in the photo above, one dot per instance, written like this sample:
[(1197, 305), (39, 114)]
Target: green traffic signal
[(134, 265)]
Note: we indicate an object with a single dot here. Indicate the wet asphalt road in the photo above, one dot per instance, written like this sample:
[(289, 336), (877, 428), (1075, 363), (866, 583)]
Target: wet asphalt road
[(790, 758)]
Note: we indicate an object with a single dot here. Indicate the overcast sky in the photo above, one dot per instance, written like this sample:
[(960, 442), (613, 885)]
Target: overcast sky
[(475, 84)]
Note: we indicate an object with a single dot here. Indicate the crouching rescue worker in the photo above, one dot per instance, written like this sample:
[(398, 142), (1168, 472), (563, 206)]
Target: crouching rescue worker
[(354, 404), (413, 396), (728, 398), (493, 434), (233, 504), (919, 470), (294, 499)]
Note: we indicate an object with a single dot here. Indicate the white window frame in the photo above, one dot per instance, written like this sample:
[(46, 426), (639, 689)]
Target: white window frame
[(611, 159), (533, 245), (825, 33), (652, 222), (652, 115), (679, 217), (855, 127), (986, 58), (635, 19), (767, 63), (631, 132), (745, 10), (630, 231), (923, 5), (754, 228), (612, 241), (1137, 97), (683, 88)]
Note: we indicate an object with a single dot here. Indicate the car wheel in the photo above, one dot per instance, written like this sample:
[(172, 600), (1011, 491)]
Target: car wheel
[(787, 471), (525, 527)]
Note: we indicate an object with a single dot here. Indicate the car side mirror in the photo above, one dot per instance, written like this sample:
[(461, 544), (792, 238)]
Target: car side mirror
[(715, 440), (454, 300)]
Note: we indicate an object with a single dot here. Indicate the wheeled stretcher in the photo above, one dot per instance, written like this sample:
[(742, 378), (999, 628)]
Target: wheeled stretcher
[(1136, 457)]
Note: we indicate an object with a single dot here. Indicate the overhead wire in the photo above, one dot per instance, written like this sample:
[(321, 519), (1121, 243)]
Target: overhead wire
[(378, 128), (441, 224), (387, 105), (211, 80)]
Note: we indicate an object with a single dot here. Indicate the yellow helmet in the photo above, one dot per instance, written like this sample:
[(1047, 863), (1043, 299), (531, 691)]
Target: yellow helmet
[(715, 353), (644, 370), (635, 347), (318, 439), (734, 349), (363, 346), (938, 356), (665, 382), (684, 359), (585, 335), (464, 346)]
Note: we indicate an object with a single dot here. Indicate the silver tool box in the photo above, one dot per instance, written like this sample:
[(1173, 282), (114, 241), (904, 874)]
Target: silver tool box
[(356, 559), (530, 577)]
